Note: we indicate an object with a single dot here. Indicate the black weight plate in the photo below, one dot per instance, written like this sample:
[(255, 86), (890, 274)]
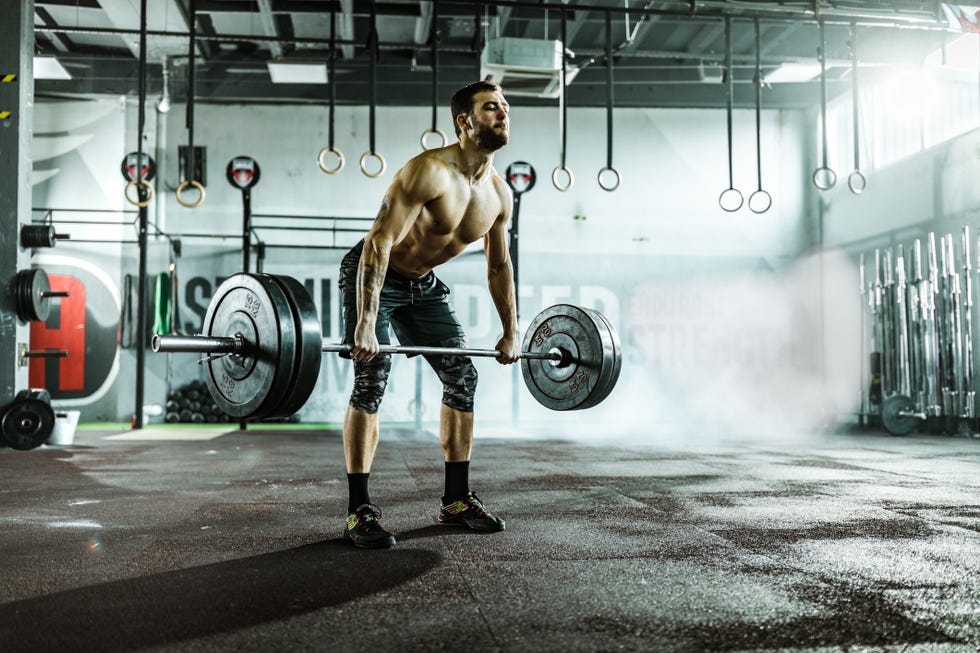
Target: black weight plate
[(31, 287), (309, 345), (253, 384), (590, 347), (894, 422), (37, 235), (27, 423), (607, 386)]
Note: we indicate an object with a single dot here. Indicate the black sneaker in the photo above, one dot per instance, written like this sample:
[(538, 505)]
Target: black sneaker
[(470, 512), (365, 531)]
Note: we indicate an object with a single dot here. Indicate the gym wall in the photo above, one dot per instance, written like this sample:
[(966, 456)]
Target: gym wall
[(707, 303)]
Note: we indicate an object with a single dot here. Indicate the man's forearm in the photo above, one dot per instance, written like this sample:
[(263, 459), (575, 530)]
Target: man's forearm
[(370, 278), (503, 293)]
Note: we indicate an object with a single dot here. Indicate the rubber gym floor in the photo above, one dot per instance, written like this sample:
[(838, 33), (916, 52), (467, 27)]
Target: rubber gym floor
[(216, 540)]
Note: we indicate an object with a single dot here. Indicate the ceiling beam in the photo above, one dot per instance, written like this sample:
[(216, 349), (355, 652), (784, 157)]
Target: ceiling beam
[(61, 42), (269, 27), (423, 24), (345, 28)]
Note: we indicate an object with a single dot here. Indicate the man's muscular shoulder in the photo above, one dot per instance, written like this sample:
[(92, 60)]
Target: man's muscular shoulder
[(424, 168)]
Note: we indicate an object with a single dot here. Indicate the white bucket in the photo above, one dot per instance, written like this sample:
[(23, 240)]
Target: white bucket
[(64, 428)]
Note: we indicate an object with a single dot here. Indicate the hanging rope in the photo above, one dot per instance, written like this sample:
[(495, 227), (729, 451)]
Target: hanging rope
[(563, 113), (823, 177), (373, 48), (609, 111), (478, 42), (434, 39), (731, 199), (332, 81), (856, 181), (144, 192), (189, 118), (760, 200)]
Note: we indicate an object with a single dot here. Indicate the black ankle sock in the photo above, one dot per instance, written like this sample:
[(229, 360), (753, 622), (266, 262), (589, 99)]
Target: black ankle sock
[(457, 481), (357, 486)]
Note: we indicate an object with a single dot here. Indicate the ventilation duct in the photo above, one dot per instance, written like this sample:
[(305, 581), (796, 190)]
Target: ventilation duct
[(526, 67)]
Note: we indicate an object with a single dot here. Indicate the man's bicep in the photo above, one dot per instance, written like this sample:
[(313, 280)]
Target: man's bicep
[(401, 206)]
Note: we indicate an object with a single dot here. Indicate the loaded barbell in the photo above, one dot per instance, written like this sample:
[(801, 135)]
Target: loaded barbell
[(263, 344)]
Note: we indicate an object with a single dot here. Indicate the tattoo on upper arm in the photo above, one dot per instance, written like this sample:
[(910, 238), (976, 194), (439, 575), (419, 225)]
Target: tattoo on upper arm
[(383, 211)]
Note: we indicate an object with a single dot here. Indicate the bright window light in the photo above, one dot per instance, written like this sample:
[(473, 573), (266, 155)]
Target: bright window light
[(297, 73), (961, 53), (910, 94), (49, 68), (793, 72)]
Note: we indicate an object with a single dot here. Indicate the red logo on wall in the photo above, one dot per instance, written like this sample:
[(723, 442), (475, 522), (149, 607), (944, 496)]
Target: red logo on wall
[(64, 330), (85, 324)]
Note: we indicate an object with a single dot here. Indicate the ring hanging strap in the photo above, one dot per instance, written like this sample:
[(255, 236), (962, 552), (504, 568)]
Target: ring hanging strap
[(760, 200), (856, 181), (189, 116), (331, 78), (609, 92), (141, 190), (564, 86), (758, 106), (563, 112), (372, 46), (735, 199), (435, 61), (823, 88), (731, 89), (478, 42), (434, 36), (609, 110), (823, 178), (332, 67)]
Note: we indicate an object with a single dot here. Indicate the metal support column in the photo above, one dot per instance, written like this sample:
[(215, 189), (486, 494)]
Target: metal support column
[(16, 126)]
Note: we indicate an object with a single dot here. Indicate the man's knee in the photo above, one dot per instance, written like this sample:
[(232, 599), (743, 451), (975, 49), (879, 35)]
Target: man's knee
[(459, 378), (370, 381)]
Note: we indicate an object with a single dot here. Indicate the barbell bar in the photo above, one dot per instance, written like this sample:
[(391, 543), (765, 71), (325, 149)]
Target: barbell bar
[(236, 345), (263, 347)]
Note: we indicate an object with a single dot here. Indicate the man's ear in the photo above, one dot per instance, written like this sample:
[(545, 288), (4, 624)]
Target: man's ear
[(463, 122)]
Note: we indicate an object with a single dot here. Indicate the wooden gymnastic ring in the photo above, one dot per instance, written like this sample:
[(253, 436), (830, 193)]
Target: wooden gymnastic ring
[(200, 189), (323, 166), (149, 190)]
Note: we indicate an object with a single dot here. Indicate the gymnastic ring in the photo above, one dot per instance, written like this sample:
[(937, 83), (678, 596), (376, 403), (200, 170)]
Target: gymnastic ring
[(149, 190), (384, 164), (728, 192), (857, 182), (831, 178), (613, 186), (763, 196), (554, 178), (200, 189), (438, 132), (323, 166)]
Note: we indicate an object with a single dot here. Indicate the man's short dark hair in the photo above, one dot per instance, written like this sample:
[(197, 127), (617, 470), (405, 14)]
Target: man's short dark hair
[(462, 101)]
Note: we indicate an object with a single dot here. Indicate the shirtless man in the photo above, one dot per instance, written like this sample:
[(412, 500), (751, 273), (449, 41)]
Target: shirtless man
[(438, 203)]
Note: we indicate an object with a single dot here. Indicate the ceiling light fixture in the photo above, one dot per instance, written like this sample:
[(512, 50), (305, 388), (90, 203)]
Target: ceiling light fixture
[(297, 73), (793, 72), (49, 68)]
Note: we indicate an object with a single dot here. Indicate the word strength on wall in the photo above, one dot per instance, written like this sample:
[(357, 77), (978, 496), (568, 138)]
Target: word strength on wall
[(472, 302)]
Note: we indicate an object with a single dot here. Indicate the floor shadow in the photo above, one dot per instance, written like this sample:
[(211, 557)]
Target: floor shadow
[(179, 605), (436, 530)]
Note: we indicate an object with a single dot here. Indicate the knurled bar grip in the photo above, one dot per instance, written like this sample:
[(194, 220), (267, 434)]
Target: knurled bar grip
[(233, 345)]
